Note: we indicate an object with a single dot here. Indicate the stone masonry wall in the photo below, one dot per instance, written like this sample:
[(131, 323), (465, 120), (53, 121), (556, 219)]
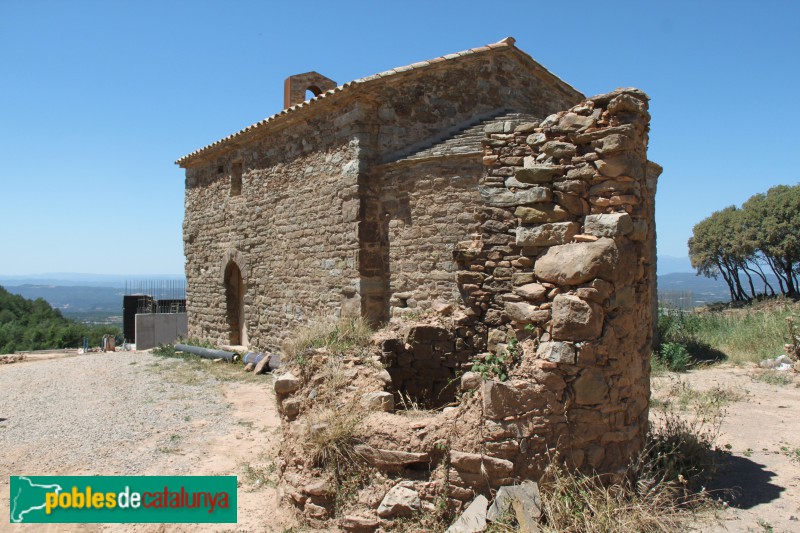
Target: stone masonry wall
[(299, 192), (564, 264), (308, 230), (559, 279), (430, 206)]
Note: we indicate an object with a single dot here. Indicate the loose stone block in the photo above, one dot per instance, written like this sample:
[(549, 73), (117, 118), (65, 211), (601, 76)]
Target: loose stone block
[(575, 319), (541, 213), (573, 264), (608, 225), (532, 291), (523, 313), (399, 501), (547, 234), (557, 352)]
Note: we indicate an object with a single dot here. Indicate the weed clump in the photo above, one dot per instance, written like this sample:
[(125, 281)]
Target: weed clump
[(335, 336), (674, 356)]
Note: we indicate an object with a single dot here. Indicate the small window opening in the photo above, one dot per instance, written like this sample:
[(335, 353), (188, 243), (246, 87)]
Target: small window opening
[(236, 179), (220, 169)]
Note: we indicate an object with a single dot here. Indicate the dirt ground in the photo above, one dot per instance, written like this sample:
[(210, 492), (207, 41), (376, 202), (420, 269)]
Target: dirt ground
[(761, 430), (237, 437)]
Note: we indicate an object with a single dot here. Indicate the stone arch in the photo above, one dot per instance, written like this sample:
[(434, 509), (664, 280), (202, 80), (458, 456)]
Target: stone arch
[(234, 276)]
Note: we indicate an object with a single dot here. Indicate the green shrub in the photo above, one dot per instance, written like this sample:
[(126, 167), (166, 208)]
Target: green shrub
[(674, 356)]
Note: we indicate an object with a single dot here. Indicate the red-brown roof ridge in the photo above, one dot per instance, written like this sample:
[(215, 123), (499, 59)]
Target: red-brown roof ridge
[(507, 43)]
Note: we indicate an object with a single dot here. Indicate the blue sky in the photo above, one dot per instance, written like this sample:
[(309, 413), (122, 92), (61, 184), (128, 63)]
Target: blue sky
[(98, 99)]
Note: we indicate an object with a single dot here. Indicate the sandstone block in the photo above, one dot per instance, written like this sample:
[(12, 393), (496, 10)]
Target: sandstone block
[(611, 144), (571, 186), (608, 225), (378, 401), (475, 463), (625, 103), (558, 149), (536, 173), (502, 197), (399, 501), (536, 139), (575, 319), (473, 519), (523, 313), (590, 387), (524, 500), (471, 380), (576, 263), (526, 127), (621, 164), (572, 122), (541, 213), (290, 407), (286, 384), (512, 398), (521, 278), (557, 352), (532, 291), (615, 186), (359, 523), (547, 234), (390, 459)]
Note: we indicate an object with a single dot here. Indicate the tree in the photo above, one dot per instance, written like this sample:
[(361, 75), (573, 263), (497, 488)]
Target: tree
[(738, 243)]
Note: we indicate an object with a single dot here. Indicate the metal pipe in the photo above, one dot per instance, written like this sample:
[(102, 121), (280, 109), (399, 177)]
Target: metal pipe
[(207, 353)]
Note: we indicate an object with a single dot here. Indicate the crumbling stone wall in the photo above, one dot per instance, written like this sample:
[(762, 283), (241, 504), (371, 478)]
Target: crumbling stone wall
[(565, 265), (559, 279)]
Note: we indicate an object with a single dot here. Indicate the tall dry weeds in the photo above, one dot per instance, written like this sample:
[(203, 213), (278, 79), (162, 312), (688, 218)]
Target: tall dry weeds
[(336, 336)]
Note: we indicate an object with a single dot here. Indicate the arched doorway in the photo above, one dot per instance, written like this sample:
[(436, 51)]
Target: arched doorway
[(234, 299)]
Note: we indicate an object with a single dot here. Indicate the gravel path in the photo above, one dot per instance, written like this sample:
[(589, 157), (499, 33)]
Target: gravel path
[(86, 414), (138, 414)]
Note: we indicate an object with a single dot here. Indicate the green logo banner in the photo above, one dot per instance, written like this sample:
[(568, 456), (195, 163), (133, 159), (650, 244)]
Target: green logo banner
[(122, 499)]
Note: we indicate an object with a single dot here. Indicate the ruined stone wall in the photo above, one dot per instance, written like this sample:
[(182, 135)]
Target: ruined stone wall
[(292, 231), (557, 284), (564, 265)]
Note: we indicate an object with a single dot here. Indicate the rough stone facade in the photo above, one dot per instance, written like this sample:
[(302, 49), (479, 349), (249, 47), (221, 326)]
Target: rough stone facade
[(559, 278), (564, 264), (335, 192), (498, 218)]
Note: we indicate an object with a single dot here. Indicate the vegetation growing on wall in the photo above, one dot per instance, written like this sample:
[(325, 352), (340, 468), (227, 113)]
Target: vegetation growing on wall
[(34, 325)]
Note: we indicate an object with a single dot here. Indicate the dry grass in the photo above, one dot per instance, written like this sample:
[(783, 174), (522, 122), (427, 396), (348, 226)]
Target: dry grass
[(684, 397), (660, 492), (190, 369), (337, 336)]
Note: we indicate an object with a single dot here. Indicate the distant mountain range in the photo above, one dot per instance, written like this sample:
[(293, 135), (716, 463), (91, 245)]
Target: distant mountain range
[(71, 279), (94, 297)]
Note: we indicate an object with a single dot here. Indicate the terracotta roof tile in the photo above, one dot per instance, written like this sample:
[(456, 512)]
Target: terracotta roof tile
[(508, 42)]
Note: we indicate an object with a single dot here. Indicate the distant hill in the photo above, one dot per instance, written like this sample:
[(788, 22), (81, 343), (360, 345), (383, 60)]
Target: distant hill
[(33, 325), (72, 279), (94, 305)]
